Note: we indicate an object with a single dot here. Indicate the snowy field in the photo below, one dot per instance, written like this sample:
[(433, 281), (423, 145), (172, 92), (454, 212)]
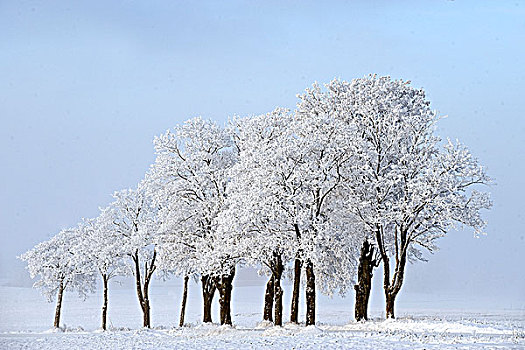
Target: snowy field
[(27, 317)]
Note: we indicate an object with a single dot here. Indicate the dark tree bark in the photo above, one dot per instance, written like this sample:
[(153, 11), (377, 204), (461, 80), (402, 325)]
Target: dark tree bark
[(310, 294), (208, 291), (143, 288), (390, 302), (278, 291), (273, 300), (367, 263), (105, 304), (393, 286), (294, 312), (268, 300), (225, 286), (184, 298), (147, 308), (58, 310)]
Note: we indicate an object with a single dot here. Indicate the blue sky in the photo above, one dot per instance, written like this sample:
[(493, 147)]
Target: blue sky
[(84, 87)]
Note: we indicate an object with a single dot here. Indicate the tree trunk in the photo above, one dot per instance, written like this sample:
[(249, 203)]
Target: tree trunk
[(105, 304), (390, 301), (364, 285), (392, 291), (278, 291), (59, 305), (138, 282), (225, 286), (294, 312), (310, 294), (208, 291), (184, 298), (143, 290), (392, 287), (268, 300), (146, 308)]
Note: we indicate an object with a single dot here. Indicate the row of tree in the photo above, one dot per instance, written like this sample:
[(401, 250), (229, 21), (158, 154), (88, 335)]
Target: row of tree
[(353, 178)]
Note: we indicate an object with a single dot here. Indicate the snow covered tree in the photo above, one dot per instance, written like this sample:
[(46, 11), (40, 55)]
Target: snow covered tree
[(330, 232), (191, 173), (406, 189), (335, 103), (60, 268), (266, 233), (434, 197), (103, 248), (132, 217), (284, 192)]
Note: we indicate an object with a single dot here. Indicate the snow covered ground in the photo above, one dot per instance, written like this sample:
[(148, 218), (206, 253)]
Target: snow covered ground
[(26, 319)]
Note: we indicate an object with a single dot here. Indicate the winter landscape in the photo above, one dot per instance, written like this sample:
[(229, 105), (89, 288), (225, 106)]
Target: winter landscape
[(416, 328), (247, 175)]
